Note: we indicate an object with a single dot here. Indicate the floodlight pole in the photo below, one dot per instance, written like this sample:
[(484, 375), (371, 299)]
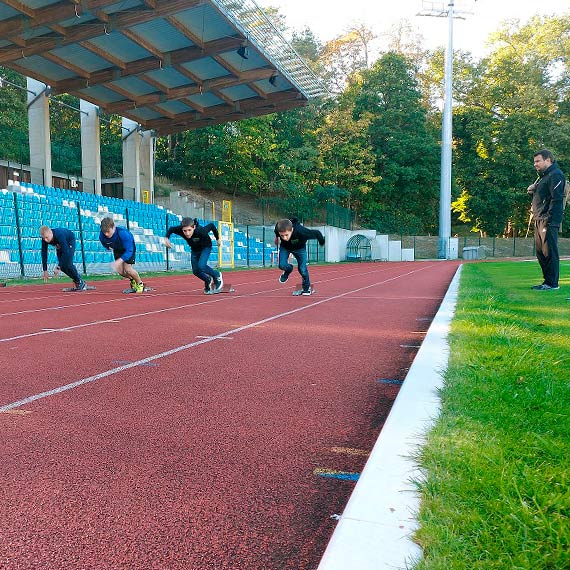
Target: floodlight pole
[(446, 137), (437, 9)]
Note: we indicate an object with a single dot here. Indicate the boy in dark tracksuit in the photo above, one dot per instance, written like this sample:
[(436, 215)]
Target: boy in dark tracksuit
[(292, 238), (122, 242), (200, 243), (64, 242)]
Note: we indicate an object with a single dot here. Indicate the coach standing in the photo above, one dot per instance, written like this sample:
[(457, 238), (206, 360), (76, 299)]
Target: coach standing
[(547, 209)]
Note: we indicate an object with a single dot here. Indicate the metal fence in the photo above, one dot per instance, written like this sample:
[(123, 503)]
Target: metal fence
[(426, 247)]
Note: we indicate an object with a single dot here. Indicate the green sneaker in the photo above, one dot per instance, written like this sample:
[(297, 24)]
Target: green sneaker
[(133, 284), (139, 287)]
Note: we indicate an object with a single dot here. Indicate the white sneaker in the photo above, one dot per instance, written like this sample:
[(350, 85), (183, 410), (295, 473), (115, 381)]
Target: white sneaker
[(218, 283)]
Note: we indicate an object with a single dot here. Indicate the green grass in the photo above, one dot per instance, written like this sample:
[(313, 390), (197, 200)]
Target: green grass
[(496, 492)]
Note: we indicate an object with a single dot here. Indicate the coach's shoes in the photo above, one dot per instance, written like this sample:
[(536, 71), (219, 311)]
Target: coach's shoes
[(139, 287), (283, 277), (80, 286), (544, 287), (307, 292), (218, 283)]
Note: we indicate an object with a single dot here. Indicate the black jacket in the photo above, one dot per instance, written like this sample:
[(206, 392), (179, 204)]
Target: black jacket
[(200, 238), (300, 236), (548, 196)]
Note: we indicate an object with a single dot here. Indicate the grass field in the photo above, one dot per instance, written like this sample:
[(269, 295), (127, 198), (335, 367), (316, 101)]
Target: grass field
[(496, 492)]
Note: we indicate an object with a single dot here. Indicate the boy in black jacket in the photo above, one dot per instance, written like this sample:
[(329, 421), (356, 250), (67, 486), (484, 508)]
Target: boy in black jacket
[(292, 238), (200, 243)]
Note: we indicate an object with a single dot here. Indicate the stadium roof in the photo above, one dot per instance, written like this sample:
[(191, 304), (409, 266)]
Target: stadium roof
[(169, 65)]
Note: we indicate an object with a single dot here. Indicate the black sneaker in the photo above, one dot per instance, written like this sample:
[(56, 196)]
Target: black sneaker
[(218, 283), (209, 286), (307, 291), (283, 277), (544, 287), (81, 286)]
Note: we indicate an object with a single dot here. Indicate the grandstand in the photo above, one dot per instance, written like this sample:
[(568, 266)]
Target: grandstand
[(24, 207)]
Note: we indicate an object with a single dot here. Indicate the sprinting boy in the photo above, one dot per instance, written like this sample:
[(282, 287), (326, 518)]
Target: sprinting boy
[(122, 242), (64, 242), (292, 237), (200, 243)]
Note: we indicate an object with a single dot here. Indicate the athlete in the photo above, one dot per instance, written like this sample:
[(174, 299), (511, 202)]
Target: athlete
[(197, 237), (64, 242), (122, 242), (292, 237)]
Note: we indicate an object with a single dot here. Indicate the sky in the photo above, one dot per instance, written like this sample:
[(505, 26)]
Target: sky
[(330, 18)]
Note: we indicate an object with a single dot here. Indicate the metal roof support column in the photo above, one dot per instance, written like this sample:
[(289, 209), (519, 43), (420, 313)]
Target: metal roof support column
[(131, 161), (90, 145), (38, 132), (147, 164)]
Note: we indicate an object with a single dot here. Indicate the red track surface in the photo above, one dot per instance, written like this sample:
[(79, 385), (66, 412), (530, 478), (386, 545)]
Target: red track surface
[(203, 455)]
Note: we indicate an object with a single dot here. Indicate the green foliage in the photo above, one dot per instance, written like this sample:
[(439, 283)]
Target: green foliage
[(404, 143)]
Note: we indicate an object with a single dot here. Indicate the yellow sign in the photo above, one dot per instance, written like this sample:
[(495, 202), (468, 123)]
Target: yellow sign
[(226, 211)]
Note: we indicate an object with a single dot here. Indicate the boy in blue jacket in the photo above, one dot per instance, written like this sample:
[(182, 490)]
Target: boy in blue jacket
[(122, 242), (292, 237), (64, 242), (196, 236)]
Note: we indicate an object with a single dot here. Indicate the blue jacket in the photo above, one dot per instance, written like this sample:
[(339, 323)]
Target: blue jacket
[(122, 242), (64, 242)]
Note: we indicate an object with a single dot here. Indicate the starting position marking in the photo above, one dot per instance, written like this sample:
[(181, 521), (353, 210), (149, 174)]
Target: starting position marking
[(350, 451), (333, 474)]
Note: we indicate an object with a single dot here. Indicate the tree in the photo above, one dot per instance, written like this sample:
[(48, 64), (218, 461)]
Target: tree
[(405, 199), (346, 55)]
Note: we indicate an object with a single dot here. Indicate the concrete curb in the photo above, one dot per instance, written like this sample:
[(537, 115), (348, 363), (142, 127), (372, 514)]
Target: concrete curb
[(374, 531)]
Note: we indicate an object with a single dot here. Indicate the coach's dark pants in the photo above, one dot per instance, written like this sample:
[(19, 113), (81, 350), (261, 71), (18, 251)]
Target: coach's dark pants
[(546, 243)]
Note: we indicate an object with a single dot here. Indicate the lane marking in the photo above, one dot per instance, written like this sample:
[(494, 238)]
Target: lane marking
[(130, 362), (350, 451), (178, 349), (334, 474), (215, 336), (389, 381)]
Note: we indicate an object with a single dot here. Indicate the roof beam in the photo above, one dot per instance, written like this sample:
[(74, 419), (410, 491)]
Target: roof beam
[(91, 30), (148, 64), (182, 92)]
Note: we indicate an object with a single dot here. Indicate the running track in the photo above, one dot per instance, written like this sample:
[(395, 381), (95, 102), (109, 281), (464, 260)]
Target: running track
[(174, 430)]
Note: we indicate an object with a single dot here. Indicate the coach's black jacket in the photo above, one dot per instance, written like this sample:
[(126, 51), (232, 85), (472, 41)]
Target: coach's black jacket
[(548, 196), (200, 238)]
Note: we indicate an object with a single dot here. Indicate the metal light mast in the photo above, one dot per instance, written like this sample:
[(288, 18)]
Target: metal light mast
[(438, 9)]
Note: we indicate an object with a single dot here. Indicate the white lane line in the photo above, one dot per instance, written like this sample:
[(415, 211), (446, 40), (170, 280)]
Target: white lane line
[(172, 351)]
